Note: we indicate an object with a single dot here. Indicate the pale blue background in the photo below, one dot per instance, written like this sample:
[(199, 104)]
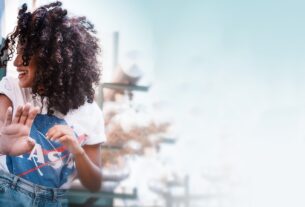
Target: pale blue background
[(232, 73)]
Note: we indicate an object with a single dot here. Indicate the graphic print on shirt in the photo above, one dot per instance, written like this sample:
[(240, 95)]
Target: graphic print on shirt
[(49, 163)]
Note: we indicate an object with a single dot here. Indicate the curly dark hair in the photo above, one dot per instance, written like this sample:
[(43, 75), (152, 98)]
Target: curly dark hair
[(65, 49)]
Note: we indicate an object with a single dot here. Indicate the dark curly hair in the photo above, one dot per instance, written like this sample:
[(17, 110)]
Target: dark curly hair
[(65, 49)]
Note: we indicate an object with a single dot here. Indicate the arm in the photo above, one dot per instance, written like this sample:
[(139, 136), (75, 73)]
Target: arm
[(5, 103), (87, 158), (88, 164)]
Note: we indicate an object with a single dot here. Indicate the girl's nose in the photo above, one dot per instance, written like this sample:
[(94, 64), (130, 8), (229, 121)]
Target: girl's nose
[(18, 60)]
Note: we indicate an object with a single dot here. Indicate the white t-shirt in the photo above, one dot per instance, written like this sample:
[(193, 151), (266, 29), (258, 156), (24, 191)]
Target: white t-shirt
[(50, 163)]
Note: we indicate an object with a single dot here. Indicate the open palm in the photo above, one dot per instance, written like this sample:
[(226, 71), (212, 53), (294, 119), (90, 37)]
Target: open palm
[(15, 132)]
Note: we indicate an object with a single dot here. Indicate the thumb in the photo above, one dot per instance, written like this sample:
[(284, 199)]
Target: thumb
[(31, 141), (30, 144)]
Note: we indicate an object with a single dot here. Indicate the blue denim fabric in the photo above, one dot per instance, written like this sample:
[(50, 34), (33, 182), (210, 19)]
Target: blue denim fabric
[(18, 192)]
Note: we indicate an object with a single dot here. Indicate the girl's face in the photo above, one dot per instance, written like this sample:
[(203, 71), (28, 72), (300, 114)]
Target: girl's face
[(26, 73)]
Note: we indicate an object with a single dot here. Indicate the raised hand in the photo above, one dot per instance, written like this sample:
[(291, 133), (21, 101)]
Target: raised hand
[(14, 137)]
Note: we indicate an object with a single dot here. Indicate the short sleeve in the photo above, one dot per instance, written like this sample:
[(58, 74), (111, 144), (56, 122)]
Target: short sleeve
[(97, 134), (88, 121)]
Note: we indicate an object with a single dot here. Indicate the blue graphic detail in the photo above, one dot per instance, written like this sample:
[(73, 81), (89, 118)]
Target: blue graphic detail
[(49, 164)]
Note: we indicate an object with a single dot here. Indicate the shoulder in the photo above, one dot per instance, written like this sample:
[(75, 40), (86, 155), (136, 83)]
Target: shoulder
[(86, 109), (88, 119), (88, 114)]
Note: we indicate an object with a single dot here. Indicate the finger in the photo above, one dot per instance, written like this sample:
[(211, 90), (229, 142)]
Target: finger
[(25, 113), (62, 139), (66, 137), (50, 132), (32, 114), (31, 142), (56, 135), (17, 115), (8, 116)]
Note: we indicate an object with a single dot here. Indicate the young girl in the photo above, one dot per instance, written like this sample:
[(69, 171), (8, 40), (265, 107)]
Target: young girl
[(50, 127)]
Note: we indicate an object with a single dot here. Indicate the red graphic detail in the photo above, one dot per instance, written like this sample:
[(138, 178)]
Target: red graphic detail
[(58, 149), (62, 148), (40, 166)]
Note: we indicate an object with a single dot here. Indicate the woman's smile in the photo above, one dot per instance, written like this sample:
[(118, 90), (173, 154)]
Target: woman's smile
[(22, 73)]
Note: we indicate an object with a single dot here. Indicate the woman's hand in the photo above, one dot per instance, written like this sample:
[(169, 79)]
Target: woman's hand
[(87, 159), (15, 132), (65, 135)]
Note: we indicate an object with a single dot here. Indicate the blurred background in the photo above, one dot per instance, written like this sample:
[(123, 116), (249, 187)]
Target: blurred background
[(203, 101)]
